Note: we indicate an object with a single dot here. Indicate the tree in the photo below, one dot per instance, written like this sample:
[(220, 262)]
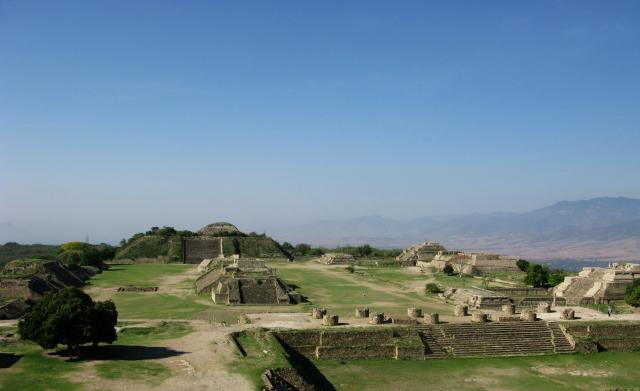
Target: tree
[(288, 246), (69, 317), (537, 276), (632, 294), (522, 265), (364, 251), (302, 249), (448, 269), (103, 320), (557, 277)]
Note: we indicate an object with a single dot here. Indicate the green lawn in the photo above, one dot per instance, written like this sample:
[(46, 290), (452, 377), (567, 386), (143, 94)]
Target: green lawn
[(137, 274), (383, 289), (601, 371)]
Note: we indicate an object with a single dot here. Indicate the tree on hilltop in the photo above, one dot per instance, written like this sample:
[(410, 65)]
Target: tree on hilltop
[(632, 294)]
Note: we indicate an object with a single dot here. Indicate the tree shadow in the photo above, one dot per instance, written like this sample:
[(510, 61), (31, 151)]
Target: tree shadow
[(119, 352), (8, 359)]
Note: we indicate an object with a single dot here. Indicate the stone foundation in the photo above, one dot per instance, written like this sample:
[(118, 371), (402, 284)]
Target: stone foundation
[(362, 312), (414, 312), (479, 317), (461, 310), (509, 309), (432, 318), (330, 320), (568, 314), (376, 318), (318, 313), (528, 315), (544, 308)]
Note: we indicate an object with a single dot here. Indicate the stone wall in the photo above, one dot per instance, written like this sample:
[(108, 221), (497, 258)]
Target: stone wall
[(197, 248), (604, 336)]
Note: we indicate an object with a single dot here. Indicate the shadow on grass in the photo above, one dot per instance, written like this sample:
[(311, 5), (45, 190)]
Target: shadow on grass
[(119, 352), (8, 359), (308, 370)]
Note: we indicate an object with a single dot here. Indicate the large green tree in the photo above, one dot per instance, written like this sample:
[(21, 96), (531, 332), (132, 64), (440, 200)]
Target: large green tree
[(537, 276), (69, 317)]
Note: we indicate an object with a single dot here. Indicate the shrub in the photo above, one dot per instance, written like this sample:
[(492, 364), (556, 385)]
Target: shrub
[(632, 294), (432, 287), (350, 269), (448, 269)]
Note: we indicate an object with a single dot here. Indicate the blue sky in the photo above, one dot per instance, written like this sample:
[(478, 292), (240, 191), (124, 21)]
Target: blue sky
[(119, 115)]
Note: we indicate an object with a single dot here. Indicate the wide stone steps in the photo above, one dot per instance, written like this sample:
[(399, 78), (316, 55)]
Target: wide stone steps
[(496, 339), (559, 339)]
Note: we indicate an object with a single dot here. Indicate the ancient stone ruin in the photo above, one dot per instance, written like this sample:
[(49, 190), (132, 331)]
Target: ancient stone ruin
[(362, 312), (245, 281), (473, 263), (131, 288), (596, 285), (25, 281), (428, 341), (220, 240), (336, 259), (423, 252)]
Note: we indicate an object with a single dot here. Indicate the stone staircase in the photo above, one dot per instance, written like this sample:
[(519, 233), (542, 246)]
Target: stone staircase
[(496, 339), (433, 348), (559, 339)]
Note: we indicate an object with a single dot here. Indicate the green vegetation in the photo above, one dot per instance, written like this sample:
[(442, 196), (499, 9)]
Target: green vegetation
[(139, 274), (36, 372), (432, 288), (604, 308), (448, 269), (11, 250), (632, 294), (85, 254), (258, 350), (144, 335), (600, 371), (522, 264), (71, 318), (150, 372)]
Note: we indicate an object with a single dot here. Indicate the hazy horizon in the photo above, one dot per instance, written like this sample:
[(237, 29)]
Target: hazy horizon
[(117, 116)]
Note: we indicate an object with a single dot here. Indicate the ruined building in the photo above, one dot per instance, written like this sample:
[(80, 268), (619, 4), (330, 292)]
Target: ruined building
[(25, 281), (219, 240), (423, 252), (245, 281), (474, 263), (337, 259), (597, 285)]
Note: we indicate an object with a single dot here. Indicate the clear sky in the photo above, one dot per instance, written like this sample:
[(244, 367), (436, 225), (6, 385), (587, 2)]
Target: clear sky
[(119, 115)]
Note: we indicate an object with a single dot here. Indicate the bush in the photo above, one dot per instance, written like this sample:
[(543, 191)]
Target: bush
[(432, 287), (350, 269), (448, 269), (522, 265), (69, 317), (632, 294)]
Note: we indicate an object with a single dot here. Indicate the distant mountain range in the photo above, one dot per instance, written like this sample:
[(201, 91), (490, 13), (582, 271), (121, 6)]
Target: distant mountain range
[(601, 228)]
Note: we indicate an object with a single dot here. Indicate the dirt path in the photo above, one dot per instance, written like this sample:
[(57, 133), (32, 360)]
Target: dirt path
[(204, 365)]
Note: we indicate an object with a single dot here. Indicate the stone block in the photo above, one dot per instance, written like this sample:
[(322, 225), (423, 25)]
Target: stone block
[(414, 312), (432, 318), (478, 317), (330, 320), (318, 313), (528, 315), (461, 310), (568, 314), (509, 309), (376, 318), (544, 308), (362, 312)]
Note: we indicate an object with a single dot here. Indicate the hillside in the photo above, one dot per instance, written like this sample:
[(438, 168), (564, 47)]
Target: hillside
[(168, 245), (10, 251), (600, 228)]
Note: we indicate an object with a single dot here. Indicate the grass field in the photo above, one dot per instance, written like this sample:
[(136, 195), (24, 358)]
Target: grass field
[(35, 371), (601, 371)]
